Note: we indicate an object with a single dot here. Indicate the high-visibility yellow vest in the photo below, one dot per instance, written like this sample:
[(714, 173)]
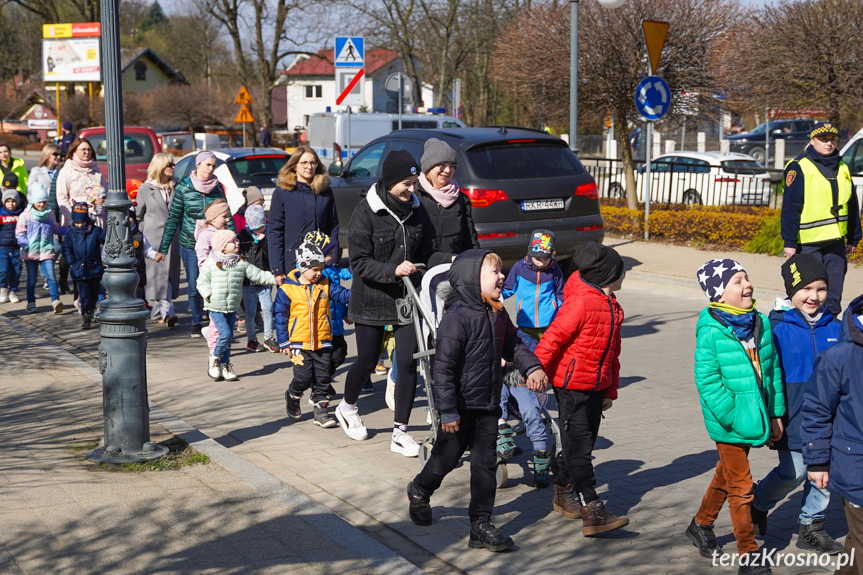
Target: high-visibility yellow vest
[(817, 222)]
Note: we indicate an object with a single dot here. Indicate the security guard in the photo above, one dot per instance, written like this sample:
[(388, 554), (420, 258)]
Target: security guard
[(820, 212)]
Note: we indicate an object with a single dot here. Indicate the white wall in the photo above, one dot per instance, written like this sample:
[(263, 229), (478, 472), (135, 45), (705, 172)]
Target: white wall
[(299, 106)]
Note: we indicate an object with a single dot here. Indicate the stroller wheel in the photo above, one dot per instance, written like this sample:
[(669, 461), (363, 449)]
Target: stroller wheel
[(425, 452), (501, 475)]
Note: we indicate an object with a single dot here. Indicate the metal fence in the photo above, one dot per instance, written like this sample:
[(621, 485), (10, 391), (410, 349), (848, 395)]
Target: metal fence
[(693, 183)]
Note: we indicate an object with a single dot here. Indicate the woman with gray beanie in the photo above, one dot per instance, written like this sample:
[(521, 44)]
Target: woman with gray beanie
[(449, 209)]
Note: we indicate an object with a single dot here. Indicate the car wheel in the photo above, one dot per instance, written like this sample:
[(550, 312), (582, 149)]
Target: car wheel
[(692, 198), (615, 190), (758, 153)]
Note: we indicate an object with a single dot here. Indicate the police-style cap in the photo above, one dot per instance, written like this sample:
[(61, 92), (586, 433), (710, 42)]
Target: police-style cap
[(824, 129)]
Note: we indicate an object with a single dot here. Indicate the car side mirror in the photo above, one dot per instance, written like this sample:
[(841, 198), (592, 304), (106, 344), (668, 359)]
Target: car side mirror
[(336, 169)]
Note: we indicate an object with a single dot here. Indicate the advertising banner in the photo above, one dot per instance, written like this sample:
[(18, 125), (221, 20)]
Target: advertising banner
[(71, 60)]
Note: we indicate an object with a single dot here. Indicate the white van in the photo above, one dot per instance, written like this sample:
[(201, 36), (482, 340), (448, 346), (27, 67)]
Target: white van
[(852, 155), (328, 132)]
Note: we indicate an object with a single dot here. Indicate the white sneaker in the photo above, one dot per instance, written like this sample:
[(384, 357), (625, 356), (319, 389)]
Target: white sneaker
[(228, 372), (57, 305), (404, 444), (214, 368), (77, 305), (352, 424), (390, 395), (13, 297), (4, 294), (204, 332)]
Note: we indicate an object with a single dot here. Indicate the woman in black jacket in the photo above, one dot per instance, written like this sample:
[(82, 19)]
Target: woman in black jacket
[(448, 208), (388, 233), (302, 202)]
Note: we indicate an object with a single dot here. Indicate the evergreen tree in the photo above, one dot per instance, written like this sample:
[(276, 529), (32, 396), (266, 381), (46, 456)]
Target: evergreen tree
[(155, 18)]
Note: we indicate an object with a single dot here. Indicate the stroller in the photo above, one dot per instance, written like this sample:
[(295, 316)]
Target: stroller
[(425, 310)]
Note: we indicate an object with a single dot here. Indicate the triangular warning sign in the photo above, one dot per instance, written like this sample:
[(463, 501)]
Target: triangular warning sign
[(654, 36), (243, 97), (244, 116), (349, 54)]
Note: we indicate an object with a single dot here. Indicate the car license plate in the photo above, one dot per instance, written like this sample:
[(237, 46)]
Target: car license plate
[(538, 205)]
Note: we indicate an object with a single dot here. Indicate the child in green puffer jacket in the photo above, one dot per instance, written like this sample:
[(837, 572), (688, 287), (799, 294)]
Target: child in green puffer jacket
[(740, 386), (220, 284)]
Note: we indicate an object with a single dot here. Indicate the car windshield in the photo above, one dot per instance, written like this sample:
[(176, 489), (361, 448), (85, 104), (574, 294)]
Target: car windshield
[(257, 170), (137, 148), (523, 160), (742, 166)]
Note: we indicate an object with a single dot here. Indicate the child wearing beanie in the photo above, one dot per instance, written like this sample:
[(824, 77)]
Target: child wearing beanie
[(216, 216), (303, 328), (739, 383), (803, 327), (220, 284), (82, 249), (35, 232), (253, 245), (10, 256), (580, 351)]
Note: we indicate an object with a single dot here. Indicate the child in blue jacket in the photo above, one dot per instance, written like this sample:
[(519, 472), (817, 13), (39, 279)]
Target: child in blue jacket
[(82, 249), (802, 328), (10, 252), (831, 429), (537, 283)]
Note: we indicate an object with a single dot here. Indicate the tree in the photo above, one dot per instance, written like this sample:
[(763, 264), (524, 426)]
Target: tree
[(155, 17), (816, 66), (531, 61), (190, 107)]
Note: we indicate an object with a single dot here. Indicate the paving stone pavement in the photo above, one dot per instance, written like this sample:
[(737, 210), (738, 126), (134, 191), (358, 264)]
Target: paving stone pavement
[(653, 459)]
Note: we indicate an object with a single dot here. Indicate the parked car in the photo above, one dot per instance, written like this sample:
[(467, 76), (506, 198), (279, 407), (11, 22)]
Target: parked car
[(517, 179), (140, 144), (794, 132), (852, 155), (709, 178), (238, 168)]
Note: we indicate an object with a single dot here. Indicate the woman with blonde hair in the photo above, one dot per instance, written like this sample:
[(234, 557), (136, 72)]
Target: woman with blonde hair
[(153, 205), (78, 171), (303, 202), (46, 173)]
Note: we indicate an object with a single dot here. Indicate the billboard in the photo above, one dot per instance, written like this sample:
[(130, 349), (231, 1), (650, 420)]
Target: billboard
[(71, 52)]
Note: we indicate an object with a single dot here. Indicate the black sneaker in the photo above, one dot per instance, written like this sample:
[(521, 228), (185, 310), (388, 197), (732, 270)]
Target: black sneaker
[(814, 538), (322, 415), (420, 506), (292, 405), (759, 520), (754, 565), (368, 386), (271, 345), (703, 538), (196, 330), (254, 346), (331, 392), (483, 534)]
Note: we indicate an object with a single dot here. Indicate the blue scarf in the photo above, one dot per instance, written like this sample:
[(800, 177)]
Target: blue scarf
[(741, 321)]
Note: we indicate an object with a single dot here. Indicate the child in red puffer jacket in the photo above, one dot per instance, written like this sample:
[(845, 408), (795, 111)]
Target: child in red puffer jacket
[(579, 351)]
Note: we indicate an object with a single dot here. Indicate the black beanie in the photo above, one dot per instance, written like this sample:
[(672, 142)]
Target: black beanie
[(800, 270), (10, 181), (398, 165), (598, 264)]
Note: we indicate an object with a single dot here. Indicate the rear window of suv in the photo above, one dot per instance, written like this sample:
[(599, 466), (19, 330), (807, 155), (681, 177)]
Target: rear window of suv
[(256, 170), (523, 160)]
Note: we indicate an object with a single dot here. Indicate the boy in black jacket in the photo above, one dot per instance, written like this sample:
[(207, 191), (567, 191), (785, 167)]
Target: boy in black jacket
[(473, 337), (253, 245), (82, 248)]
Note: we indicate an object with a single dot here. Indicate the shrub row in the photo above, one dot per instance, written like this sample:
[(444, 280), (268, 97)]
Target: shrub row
[(748, 228)]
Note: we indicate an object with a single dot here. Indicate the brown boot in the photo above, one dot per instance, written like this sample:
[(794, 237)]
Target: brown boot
[(596, 519), (566, 502)]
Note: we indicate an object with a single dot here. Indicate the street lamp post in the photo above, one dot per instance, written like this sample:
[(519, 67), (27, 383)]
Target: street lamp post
[(573, 76), (123, 333)]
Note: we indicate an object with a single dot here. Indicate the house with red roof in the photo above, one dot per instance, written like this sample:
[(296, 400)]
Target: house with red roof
[(310, 85)]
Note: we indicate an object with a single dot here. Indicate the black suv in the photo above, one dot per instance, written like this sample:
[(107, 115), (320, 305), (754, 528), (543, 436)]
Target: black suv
[(517, 179), (794, 132)]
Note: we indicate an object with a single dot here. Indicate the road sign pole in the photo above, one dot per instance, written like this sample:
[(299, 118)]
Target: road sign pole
[(573, 76), (348, 146), (401, 103), (649, 183), (244, 135)]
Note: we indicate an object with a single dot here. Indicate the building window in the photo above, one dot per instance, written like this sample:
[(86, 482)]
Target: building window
[(314, 92), (140, 71)]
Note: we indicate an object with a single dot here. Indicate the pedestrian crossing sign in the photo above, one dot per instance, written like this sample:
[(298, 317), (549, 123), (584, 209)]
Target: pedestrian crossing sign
[(349, 52)]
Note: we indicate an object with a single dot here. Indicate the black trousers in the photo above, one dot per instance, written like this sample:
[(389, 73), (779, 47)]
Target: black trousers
[(340, 352), (579, 414), (832, 256), (88, 294), (477, 430), (314, 372), (370, 338)]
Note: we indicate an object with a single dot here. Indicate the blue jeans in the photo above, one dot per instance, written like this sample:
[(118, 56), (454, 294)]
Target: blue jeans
[(48, 272), (190, 262), (10, 268), (528, 406), (784, 479), (224, 322), (252, 295), (88, 291)]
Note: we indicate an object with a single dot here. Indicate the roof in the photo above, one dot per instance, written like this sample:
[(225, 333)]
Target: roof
[(322, 64), (707, 156), (483, 135), (225, 154), (129, 56)]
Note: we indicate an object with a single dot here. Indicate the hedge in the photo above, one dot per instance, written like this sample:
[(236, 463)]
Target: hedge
[(747, 228)]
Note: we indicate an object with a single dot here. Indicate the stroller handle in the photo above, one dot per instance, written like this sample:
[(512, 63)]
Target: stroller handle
[(414, 296)]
